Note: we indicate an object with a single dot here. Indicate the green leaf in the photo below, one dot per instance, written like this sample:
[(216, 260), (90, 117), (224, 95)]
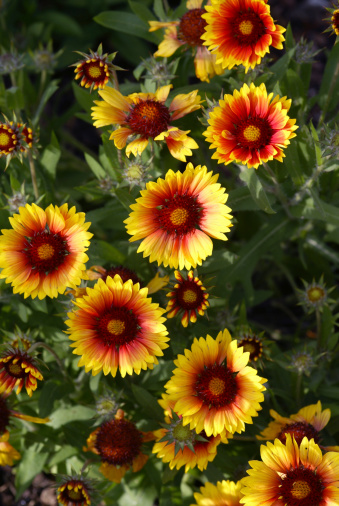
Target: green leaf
[(141, 11), (310, 210), (329, 89), (293, 164), (147, 402), (317, 148), (323, 249), (158, 8), (107, 252), (31, 464), (62, 416), (279, 68), (95, 167), (326, 326), (256, 189), (126, 23), (63, 23), (125, 197), (49, 91), (83, 97), (51, 391), (240, 200), (51, 156)]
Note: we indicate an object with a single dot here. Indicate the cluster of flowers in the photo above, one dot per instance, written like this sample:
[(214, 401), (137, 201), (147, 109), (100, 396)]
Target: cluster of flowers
[(115, 326)]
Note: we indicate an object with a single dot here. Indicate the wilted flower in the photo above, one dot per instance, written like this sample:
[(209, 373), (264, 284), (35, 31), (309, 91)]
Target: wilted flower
[(302, 362), (10, 61), (18, 199), (44, 60)]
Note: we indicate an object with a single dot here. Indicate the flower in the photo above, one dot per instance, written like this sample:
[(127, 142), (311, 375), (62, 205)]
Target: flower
[(7, 452), (290, 475), (177, 216), (189, 296), (44, 59), (224, 493), (240, 32), (147, 116), (11, 140), (95, 69), (6, 414), (333, 20), (119, 444), (11, 62), (117, 327), (18, 369), (315, 295), (213, 388), (251, 343), (45, 252), (249, 127), (308, 422), (187, 33), (302, 362), (180, 446), (74, 491)]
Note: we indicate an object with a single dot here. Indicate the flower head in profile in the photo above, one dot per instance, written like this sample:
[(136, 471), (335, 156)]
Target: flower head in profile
[(6, 414), (251, 342), (95, 69), (44, 253), (176, 217), (292, 475), (18, 369), (116, 327), (213, 388), (240, 32), (118, 442), (224, 493), (75, 491), (333, 20), (189, 297), (186, 33), (180, 446), (12, 140), (7, 453), (250, 127), (145, 116)]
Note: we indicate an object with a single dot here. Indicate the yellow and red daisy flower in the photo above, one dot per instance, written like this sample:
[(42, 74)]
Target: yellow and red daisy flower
[(11, 141), (18, 369), (7, 453), (213, 388), (117, 327), (224, 493), (6, 414), (250, 127), (118, 442), (240, 32), (186, 33), (333, 20), (146, 116), (74, 492), (251, 343), (180, 446), (177, 216), (95, 69), (45, 252), (189, 296), (308, 422), (290, 475)]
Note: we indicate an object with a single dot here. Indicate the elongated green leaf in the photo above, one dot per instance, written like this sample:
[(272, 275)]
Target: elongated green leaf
[(95, 167), (49, 91), (31, 464), (256, 189), (317, 148), (323, 249), (329, 89), (310, 210), (51, 156), (147, 402), (106, 252), (83, 97), (66, 415), (126, 23), (141, 11)]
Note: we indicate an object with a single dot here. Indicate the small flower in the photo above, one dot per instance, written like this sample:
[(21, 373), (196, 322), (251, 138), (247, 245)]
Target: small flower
[(107, 406), (44, 253), (177, 216), (315, 295), (187, 33), (250, 342), (6, 414), (95, 69), (292, 475), (74, 491), (240, 32), (18, 369), (44, 60), (189, 296), (250, 127), (17, 200), (7, 453), (118, 442), (213, 388), (302, 362), (136, 174), (333, 20), (115, 326), (12, 140), (224, 493), (147, 116), (159, 72), (10, 62)]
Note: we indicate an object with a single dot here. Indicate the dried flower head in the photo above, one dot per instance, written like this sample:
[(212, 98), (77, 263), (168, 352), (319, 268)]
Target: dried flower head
[(302, 362), (159, 72), (107, 406), (10, 61), (135, 174), (44, 60), (304, 51), (18, 199), (315, 295)]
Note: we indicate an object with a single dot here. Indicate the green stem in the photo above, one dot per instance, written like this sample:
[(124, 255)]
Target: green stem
[(329, 94), (48, 348), (298, 388), (87, 462), (277, 190), (318, 318), (33, 175), (13, 79)]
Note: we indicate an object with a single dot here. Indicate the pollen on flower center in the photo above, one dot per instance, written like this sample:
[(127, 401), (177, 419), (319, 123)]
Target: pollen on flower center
[(15, 370), (299, 430), (179, 216), (216, 386), (246, 27), (116, 327), (192, 27), (75, 495), (4, 139), (182, 433), (94, 71), (149, 118), (252, 133), (118, 442), (189, 296), (300, 489), (315, 294), (45, 251)]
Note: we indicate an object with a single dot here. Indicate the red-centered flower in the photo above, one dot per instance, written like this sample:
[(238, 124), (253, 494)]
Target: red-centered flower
[(186, 33), (45, 252), (11, 141), (118, 442), (95, 69), (117, 327), (74, 491), (18, 369), (6, 414), (177, 216), (224, 493), (213, 388), (250, 127), (333, 20), (290, 475), (240, 32), (189, 296), (146, 116)]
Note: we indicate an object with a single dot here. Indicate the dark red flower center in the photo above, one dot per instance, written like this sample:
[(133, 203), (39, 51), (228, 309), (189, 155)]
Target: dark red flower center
[(95, 71), (46, 252), (118, 326), (299, 430), (8, 140), (4, 415), (335, 21), (216, 386), (27, 134), (123, 272), (252, 345), (118, 442), (74, 493), (192, 27), (149, 118), (14, 367), (301, 487), (179, 215), (253, 133), (189, 295), (248, 28)]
